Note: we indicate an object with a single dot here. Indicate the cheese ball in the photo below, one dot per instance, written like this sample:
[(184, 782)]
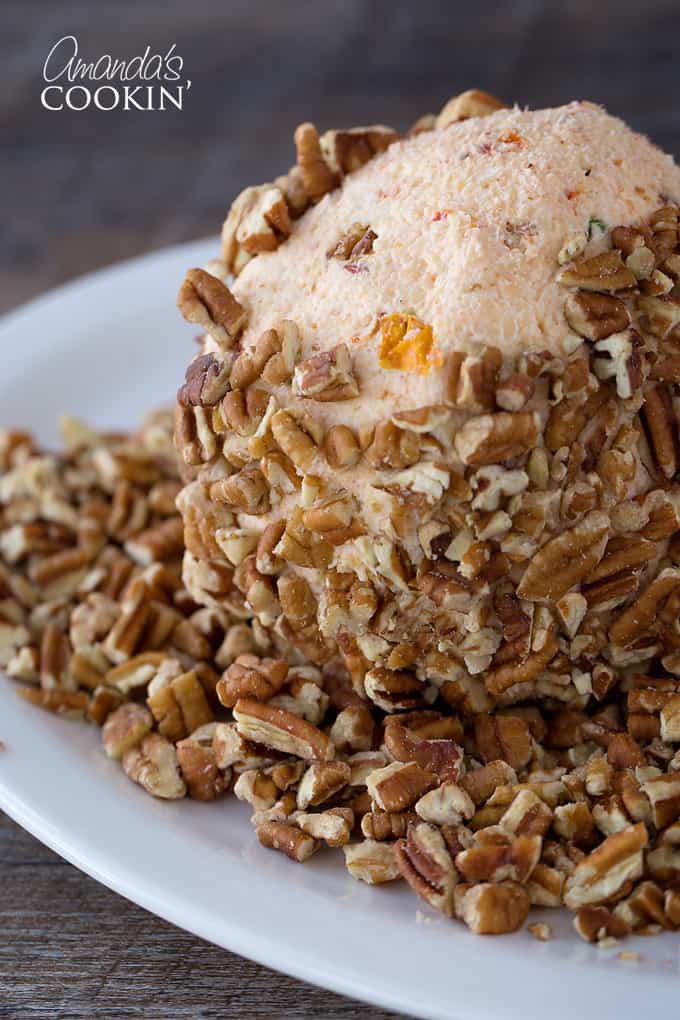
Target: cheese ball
[(431, 435)]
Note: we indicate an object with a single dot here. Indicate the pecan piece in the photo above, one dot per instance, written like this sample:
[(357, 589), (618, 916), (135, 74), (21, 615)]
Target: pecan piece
[(605, 272), (398, 786), (595, 924), (179, 704), (206, 381), (328, 376), (448, 804), (247, 490), (504, 737), (596, 316), (317, 176), (470, 380), (425, 862), (207, 302), (341, 447), (321, 781), (125, 728), (56, 699), (281, 730), (333, 826), (607, 870), (495, 438), (495, 909), (197, 761), (442, 756), (354, 243), (638, 618), (566, 559), (258, 220), (659, 418), (619, 358), (153, 764), (253, 678), (288, 839), (393, 690), (371, 862), (473, 103), (513, 860)]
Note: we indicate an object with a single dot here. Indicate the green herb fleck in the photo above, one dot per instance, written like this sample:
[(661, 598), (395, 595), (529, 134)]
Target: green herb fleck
[(595, 224)]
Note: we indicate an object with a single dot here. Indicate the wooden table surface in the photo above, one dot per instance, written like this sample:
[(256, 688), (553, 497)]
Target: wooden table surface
[(81, 190)]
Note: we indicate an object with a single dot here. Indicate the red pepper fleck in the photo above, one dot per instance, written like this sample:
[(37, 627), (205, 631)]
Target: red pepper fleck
[(441, 214), (351, 267), (486, 148), (511, 138)]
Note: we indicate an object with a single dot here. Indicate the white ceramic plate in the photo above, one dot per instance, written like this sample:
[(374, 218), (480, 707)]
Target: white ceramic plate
[(108, 347)]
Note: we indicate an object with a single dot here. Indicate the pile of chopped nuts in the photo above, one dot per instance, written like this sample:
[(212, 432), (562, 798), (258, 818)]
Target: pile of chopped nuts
[(480, 697)]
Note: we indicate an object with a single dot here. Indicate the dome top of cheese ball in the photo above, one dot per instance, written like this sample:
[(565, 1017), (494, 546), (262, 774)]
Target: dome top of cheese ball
[(469, 221)]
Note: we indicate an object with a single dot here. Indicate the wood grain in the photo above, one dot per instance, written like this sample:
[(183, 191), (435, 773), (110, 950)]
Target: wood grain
[(72, 950), (81, 190)]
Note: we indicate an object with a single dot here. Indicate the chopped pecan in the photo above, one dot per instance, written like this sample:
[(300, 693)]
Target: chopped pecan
[(197, 761), (298, 437), (495, 438), (601, 875), (595, 924), (288, 839), (470, 380), (605, 272), (480, 783), (473, 103), (504, 737), (448, 804), (660, 421), (637, 618), (206, 380), (153, 764), (321, 781), (425, 862), (392, 690), (247, 490), (207, 302), (513, 393), (179, 704), (619, 358), (346, 151), (281, 730), (257, 221), (513, 860), (566, 559), (354, 243), (251, 677), (317, 176), (596, 316), (328, 376), (444, 757), (333, 826), (527, 815), (56, 699), (398, 786), (386, 825), (353, 729), (341, 447), (494, 909), (125, 728), (371, 862)]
